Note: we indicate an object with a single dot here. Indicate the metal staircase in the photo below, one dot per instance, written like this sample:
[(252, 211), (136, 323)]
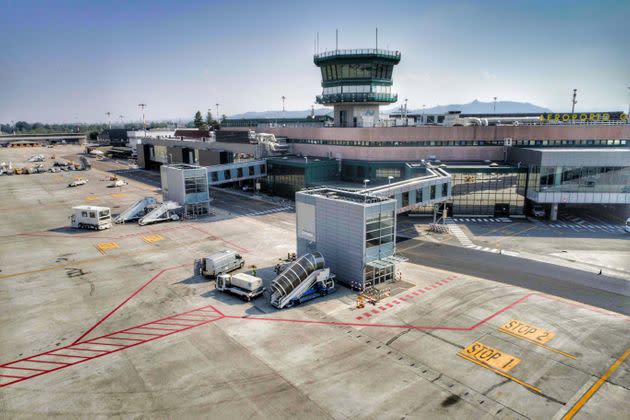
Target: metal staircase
[(168, 210), (136, 211)]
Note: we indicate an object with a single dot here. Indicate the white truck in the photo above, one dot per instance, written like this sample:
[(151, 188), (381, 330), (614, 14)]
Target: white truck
[(91, 217), (244, 285), (219, 263)]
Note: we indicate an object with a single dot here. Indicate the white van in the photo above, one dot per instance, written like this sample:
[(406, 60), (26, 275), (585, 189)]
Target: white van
[(628, 225), (220, 263)]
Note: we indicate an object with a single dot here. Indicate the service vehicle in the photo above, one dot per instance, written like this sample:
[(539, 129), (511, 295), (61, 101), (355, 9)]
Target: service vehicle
[(91, 217), (628, 225), (78, 182), (246, 286), (117, 183), (219, 263)]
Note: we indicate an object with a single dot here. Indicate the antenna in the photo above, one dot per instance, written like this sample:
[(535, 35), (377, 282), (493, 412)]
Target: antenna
[(336, 39), (377, 38), (317, 42), (109, 121)]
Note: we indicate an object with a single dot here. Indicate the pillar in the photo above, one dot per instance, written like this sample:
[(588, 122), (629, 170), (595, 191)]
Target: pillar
[(553, 214)]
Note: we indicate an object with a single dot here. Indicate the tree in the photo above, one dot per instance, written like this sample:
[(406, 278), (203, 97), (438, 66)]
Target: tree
[(198, 120), (209, 120)]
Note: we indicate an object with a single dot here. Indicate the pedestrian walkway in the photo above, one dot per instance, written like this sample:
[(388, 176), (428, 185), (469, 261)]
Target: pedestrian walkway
[(459, 233), (483, 219), (269, 211)]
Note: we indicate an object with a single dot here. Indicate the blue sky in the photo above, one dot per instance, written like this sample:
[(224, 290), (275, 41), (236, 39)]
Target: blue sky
[(76, 60)]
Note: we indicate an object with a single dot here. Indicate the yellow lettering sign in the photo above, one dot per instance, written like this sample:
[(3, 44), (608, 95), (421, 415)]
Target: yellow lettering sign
[(492, 357)]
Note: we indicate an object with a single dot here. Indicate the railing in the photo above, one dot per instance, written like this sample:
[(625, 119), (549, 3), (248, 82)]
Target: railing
[(360, 51), (356, 97)]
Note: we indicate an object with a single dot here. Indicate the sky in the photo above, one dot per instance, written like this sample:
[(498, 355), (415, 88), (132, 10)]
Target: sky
[(69, 61)]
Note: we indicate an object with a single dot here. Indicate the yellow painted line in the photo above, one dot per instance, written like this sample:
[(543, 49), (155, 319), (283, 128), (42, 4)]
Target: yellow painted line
[(497, 359), (541, 345), (505, 375), (91, 198), (119, 195), (593, 389), (106, 246), (152, 238)]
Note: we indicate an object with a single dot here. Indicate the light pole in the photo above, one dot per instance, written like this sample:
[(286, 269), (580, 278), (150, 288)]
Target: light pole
[(13, 125), (365, 182), (109, 120), (406, 113), (494, 108), (389, 179), (217, 105), (573, 102), (423, 106), (122, 124), (144, 121), (284, 98)]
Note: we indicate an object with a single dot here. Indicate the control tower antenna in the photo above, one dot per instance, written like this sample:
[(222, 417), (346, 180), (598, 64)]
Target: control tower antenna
[(336, 39), (144, 121), (377, 38), (573, 101)]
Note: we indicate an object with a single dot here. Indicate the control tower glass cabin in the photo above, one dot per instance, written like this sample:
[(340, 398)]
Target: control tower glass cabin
[(356, 83)]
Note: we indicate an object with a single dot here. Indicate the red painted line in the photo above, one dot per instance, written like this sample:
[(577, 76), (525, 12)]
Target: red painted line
[(178, 325), (104, 344), (67, 355), (359, 318), (415, 293), (46, 361), (136, 333), (421, 291), (151, 280), (23, 368), (13, 376), (123, 338), (95, 351), (389, 305), (157, 329), (179, 318), (499, 312), (367, 314), (374, 311), (117, 348), (427, 289), (382, 308), (397, 302)]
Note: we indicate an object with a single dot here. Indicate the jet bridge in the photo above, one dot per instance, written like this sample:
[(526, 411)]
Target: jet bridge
[(435, 187)]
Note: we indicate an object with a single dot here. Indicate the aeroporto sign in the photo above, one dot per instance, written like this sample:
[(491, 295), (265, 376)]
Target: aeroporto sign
[(581, 117)]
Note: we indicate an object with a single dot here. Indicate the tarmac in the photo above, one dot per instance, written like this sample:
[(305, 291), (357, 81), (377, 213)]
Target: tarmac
[(114, 324)]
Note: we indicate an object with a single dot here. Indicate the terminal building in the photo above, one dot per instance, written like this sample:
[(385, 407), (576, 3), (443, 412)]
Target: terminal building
[(498, 165)]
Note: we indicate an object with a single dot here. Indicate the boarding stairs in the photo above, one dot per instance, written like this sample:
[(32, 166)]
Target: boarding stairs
[(167, 210), (136, 211)]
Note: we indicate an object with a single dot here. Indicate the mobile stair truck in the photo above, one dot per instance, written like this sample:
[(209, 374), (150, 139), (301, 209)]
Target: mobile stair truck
[(304, 279), (244, 285), (219, 263), (91, 217)]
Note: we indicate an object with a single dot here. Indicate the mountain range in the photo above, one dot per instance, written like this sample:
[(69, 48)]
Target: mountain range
[(474, 107)]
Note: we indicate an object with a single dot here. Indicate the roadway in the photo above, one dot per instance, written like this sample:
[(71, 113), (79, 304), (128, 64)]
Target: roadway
[(529, 274)]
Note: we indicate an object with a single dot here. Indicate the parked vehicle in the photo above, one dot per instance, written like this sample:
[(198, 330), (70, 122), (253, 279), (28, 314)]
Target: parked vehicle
[(628, 225), (244, 285), (117, 183), (220, 263), (91, 217), (538, 210), (78, 182)]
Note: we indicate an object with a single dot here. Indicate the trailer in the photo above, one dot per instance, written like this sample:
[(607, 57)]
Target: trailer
[(219, 263), (91, 217), (246, 286), (78, 182)]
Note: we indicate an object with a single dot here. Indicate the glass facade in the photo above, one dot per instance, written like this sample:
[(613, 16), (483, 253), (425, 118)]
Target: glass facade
[(486, 193), (463, 143), (379, 229), (332, 72), (614, 179)]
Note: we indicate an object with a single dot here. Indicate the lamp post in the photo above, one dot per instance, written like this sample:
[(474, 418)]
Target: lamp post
[(365, 182), (573, 102), (144, 121), (423, 106), (494, 107), (217, 105), (284, 98), (389, 179)]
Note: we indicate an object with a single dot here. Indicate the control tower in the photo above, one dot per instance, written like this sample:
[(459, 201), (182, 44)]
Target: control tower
[(356, 83)]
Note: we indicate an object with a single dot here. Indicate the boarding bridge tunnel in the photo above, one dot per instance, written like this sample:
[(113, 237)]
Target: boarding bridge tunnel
[(237, 171), (434, 187)]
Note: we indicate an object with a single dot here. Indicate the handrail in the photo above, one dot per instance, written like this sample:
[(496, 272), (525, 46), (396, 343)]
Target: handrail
[(358, 51)]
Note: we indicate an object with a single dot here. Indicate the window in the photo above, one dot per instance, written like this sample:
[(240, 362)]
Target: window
[(432, 195), (92, 214), (226, 174), (84, 213), (379, 229), (444, 190)]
